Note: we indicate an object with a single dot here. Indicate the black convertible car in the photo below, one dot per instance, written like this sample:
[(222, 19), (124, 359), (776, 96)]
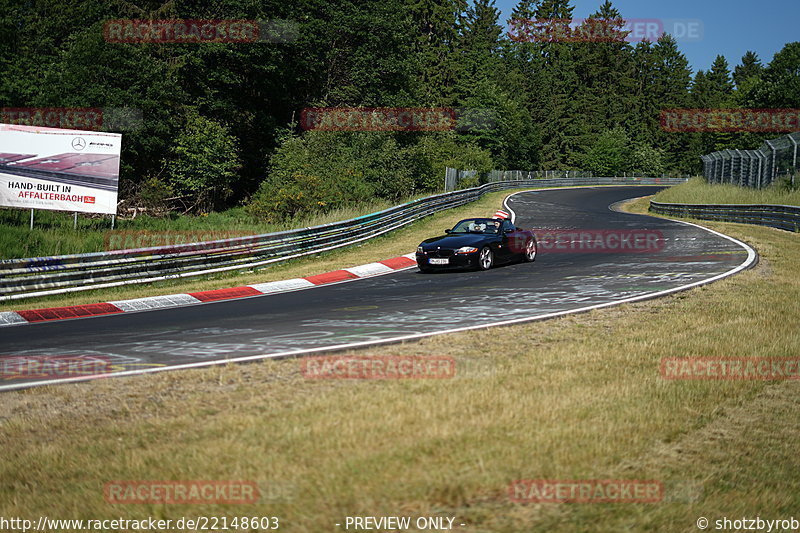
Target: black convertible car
[(477, 243)]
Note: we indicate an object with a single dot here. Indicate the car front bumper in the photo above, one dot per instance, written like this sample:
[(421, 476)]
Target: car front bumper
[(454, 261)]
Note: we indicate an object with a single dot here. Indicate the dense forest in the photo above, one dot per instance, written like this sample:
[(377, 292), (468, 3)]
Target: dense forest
[(219, 121)]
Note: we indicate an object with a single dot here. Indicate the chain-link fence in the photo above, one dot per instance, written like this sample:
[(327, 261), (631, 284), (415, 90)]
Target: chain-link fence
[(755, 168)]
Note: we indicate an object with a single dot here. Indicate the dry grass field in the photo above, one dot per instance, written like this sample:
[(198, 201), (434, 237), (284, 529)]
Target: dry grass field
[(574, 398)]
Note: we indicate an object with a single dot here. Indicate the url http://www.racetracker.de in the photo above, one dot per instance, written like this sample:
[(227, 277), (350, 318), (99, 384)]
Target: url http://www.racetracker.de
[(197, 523), (748, 524)]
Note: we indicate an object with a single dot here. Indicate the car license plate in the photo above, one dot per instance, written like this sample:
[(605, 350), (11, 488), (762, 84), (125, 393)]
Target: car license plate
[(435, 261)]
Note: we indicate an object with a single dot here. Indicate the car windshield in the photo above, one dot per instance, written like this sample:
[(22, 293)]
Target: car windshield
[(477, 225)]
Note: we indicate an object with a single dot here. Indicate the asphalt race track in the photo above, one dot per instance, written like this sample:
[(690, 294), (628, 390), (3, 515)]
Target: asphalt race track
[(406, 303)]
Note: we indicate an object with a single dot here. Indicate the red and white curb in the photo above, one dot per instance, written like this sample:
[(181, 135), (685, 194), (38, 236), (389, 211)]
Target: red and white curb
[(13, 318)]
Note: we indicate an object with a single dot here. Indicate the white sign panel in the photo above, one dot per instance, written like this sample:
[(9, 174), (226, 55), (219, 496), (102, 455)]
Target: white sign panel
[(59, 170)]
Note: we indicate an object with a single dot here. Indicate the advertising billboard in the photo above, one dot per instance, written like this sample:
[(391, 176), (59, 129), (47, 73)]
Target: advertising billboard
[(59, 170)]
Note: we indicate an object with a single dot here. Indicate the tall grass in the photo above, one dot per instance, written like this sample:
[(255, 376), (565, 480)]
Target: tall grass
[(698, 191)]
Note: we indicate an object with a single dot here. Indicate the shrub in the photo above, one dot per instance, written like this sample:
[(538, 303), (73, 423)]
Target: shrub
[(203, 163), (320, 171)]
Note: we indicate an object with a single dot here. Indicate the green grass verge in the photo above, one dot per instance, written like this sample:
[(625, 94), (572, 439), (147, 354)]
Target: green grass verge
[(698, 191), (53, 232), (574, 398)]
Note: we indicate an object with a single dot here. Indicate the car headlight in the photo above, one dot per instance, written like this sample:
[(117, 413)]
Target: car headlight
[(466, 250), (420, 250)]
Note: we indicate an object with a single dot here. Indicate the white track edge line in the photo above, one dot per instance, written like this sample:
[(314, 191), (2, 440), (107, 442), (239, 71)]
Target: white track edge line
[(751, 257), (161, 278), (200, 302)]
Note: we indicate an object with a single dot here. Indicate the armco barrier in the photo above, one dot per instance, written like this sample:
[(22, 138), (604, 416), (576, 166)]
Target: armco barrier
[(39, 276), (785, 217)]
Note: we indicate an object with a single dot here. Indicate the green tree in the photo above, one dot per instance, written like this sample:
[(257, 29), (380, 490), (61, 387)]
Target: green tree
[(749, 70), (647, 160), (478, 47), (480, 36), (437, 24), (524, 10), (555, 110), (491, 88), (702, 92), (8, 44), (523, 79), (203, 162), (318, 171), (668, 89), (550, 102), (434, 152), (610, 154), (502, 125), (605, 93), (719, 79), (703, 96), (780, 82)]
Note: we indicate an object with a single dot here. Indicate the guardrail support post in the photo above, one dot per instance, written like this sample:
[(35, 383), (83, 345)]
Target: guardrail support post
[(794, 159), (774, 171), (712, 167)]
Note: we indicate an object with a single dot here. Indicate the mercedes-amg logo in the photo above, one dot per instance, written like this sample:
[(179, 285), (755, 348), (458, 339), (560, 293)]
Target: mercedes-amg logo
[(78, 143)]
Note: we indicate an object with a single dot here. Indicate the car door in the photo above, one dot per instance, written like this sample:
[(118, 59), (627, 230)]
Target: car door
[(517, 239), (507, 242)]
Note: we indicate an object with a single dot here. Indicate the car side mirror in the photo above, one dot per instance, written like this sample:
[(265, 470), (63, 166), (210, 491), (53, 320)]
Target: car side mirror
[(508, 230), (447, 231)]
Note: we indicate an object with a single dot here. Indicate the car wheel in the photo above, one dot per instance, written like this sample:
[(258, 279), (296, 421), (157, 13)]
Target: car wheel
[(485, 259), (530, 251)]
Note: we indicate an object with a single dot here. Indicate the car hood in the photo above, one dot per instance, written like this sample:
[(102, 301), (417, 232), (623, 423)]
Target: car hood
[(457, 241)]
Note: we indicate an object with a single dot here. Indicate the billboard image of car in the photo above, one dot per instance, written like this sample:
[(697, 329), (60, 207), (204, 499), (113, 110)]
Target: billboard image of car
[(59, 170)]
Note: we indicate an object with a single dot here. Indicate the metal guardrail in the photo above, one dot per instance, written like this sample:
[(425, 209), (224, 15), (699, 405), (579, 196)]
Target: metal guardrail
[(785, 217), (454, 176), (40, 276)]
